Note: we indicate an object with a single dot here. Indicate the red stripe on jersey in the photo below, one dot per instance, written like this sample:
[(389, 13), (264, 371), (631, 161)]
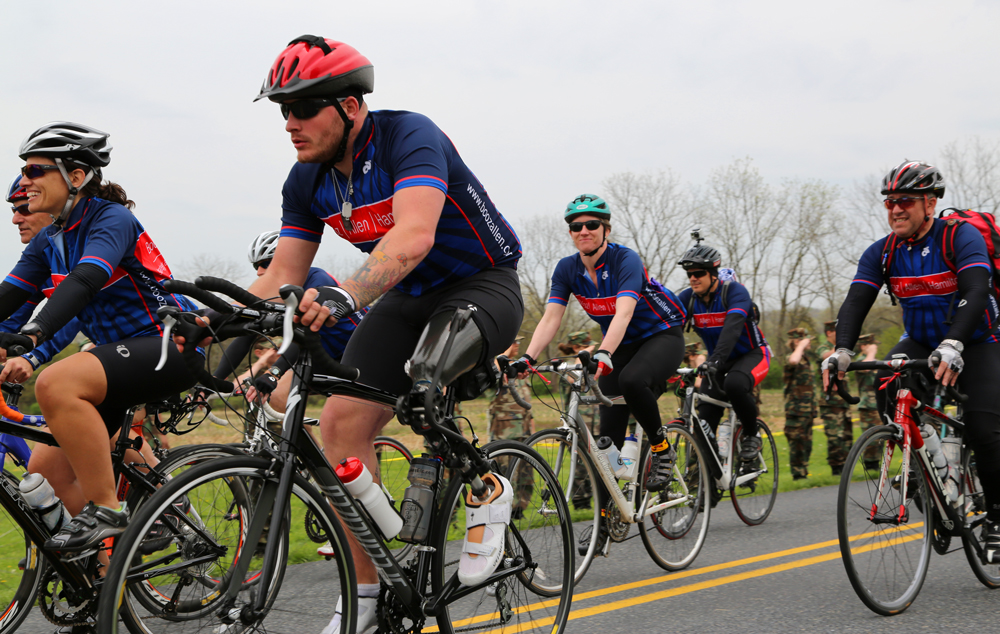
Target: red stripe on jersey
[(709, 320), (598, 306), (937, 284), (368, 223)]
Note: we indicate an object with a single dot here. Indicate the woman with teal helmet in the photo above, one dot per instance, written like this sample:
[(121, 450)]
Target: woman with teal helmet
[(641, 324)]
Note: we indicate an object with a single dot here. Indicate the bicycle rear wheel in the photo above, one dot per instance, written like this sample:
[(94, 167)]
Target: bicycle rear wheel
[(581, 488), (975, 511), (195, 571), (754, 499), (537, 599), (20, 565), (886, 556), (673, 537)]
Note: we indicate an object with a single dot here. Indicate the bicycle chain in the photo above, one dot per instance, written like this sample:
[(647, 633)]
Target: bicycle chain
[(56, 610), (390, 612), (617, 528)]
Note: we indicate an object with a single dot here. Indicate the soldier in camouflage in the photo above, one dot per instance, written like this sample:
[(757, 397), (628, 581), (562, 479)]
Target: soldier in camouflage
[(510, 421), (587, 415), (835, 412), (800, 400), (867, 409)]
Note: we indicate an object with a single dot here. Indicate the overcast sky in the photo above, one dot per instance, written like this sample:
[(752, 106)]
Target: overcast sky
[(542, 99)]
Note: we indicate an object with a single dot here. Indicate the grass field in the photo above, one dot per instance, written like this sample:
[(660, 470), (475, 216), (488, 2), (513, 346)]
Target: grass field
[(301, 548)]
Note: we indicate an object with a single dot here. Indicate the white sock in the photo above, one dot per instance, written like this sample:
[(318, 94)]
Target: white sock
[(367, 597)]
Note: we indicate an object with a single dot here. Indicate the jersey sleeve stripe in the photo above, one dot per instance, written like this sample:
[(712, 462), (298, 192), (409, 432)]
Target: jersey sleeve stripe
[(873, 284), (302, 234), (737, 310), (420, 181), (93, 259), (16, 281), (982, 264), (628, 293), (558, 300)]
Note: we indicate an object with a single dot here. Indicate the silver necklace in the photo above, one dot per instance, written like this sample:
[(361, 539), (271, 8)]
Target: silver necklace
[(345, 208)]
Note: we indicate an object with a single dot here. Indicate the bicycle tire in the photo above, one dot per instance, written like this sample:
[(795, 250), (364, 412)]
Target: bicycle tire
[(16, 597), (522, 602), (305, 594), (885, 561), (975, 512), (554, 446), (754, 500), (675, 536)]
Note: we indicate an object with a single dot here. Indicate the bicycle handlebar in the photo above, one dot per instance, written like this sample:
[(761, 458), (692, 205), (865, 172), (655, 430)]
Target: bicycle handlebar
[(587, 367), (897, 365), (507, 370)]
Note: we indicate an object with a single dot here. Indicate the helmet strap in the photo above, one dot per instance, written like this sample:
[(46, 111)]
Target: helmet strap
[(73, 191), (348, 126)]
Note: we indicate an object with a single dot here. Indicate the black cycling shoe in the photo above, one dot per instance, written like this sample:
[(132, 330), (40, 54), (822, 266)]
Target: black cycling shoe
[(602, 540), (992, 546), (661, 471), (750, 452), (160, 535), (87, 530)]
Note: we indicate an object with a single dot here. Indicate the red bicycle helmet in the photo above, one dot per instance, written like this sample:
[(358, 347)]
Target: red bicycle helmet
[(312, 66)]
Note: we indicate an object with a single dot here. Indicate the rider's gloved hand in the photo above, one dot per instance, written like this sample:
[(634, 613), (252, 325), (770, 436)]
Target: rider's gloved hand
[(337, 300), (16, 344), (525, 363), (265, 383), (603, 358), (710, 367), (949, 352), (838, 361)]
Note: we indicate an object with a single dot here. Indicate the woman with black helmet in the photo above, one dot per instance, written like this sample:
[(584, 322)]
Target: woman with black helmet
[(106, 271), (641, 322), (738, 356)]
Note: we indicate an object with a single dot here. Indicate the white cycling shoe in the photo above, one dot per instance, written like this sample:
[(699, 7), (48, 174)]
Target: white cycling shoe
[(326, 550), (366, 616), (485, 525)]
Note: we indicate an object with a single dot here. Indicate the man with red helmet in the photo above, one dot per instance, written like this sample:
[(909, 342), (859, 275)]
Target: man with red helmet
[(392, 184)]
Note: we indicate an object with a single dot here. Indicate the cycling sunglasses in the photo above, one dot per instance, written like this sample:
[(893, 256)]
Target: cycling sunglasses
[(697, 274), (33, 170), (305, 108), (262, 263), (20, 209), (591, 225), (905, 203)]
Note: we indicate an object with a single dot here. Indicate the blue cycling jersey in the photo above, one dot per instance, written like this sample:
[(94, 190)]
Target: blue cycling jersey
[(709, 318), (107, 235), (334, 338), (924, 283), (397, 150), (620, 273), (49, 348)]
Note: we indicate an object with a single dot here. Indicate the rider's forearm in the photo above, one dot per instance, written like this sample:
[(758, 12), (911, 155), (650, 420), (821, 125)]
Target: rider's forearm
[(973, 291), (624, 308), (731, 329), (853, 311), (545, 330), (11, 298), (396, 254), (71, 297)]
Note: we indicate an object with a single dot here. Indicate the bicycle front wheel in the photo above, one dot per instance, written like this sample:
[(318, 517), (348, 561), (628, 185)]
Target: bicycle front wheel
[(580, 487), (885, 537), (754, 498), (20, 565), (196, 573), (538, 542), (975, 517), (673, 536)]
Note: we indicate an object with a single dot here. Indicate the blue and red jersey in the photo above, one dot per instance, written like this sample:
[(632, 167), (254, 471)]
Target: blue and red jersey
[(334, 338), (924, 283), (107, 235), (396, 150), (620, 273), (708, 318)]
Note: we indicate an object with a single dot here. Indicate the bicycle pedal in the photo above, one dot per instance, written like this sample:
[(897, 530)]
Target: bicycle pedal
[(83, 554)]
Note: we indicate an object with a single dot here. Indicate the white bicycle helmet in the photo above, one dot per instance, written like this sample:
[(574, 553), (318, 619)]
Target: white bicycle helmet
[(262, 248)]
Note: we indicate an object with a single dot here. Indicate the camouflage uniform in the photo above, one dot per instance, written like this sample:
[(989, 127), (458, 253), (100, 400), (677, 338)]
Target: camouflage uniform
[(836, 417), (800, 406), (510, 421), (867, 408)]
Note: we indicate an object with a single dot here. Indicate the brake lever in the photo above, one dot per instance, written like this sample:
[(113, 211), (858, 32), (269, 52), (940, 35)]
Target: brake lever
[(169, 321), (291, 300)]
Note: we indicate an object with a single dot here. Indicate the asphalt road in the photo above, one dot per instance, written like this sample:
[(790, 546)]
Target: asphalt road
[(783, 576)]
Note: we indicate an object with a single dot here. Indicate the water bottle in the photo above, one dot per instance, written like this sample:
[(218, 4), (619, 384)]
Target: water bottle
[(629, 457), (39, 494), (708, 431), (358, 480), (419, 499), (608, 455), (932, 443), (725, 436)]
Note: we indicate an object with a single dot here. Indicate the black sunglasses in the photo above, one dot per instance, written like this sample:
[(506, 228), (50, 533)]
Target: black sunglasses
[(33, 170), (697, 274), (591, 225), (262, 263), (305, 108), (20, 209)]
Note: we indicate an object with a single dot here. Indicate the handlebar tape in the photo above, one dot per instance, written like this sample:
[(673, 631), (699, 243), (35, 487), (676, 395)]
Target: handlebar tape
[(322, 363), (226, 287), (187, 288)]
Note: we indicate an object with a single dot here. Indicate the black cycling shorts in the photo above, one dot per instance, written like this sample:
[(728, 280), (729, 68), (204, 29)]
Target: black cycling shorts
[(129, 367), (387, 337)]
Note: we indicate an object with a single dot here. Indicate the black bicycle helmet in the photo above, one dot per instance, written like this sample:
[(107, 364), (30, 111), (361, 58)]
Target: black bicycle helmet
[(915, 177), (701, 256)]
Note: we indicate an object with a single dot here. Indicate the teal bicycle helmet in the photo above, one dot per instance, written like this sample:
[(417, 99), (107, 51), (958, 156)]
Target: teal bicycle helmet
[(587, 204)]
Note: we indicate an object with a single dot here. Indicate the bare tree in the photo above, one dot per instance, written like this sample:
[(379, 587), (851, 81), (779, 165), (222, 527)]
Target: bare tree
[(972, 174), (214, 265), (744, 221), (651, 214)]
